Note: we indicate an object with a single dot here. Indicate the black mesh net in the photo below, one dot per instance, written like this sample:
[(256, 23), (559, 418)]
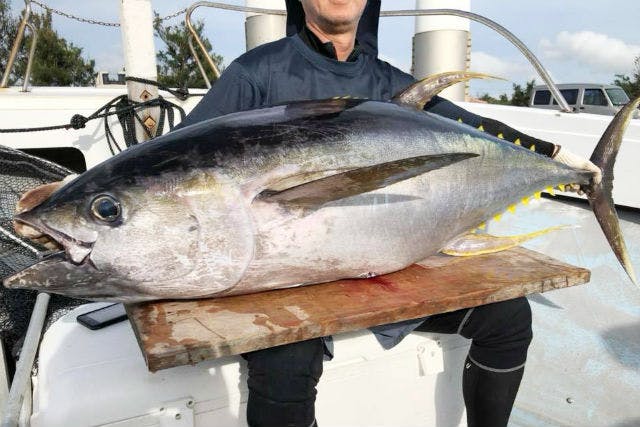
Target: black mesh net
[(20, 172)]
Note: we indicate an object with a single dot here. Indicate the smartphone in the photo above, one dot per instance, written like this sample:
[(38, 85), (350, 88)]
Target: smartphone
[(104, 316)]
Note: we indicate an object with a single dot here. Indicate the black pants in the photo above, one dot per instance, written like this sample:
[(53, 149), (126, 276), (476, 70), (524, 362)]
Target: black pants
[(282, 380), (500, 332)]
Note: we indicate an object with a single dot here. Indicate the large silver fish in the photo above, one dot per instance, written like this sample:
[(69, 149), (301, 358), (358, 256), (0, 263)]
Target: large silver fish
[(291, 195)]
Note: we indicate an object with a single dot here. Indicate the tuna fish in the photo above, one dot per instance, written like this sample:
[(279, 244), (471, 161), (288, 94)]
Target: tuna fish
[(293, 195)]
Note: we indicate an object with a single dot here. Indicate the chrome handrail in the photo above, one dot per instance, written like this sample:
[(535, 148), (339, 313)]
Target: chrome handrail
[(192, 30), (198, 63), (19, 385), (395, 13), (500, 30), (16, 44), (32, 51), (224, 6)]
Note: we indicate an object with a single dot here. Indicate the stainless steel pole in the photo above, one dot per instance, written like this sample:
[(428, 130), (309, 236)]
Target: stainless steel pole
[(16, 44), (11, 412)]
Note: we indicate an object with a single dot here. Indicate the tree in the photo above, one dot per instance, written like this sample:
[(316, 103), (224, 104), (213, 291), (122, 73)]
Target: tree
[(519, 97), (8, 30), (631, 85), (176, 65), (56, 61), (488, 99)]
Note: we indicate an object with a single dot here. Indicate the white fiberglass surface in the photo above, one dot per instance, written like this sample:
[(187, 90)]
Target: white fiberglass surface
[(584, 363)]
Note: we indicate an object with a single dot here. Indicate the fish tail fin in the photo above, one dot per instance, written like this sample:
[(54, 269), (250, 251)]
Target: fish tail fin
[(599, 195)]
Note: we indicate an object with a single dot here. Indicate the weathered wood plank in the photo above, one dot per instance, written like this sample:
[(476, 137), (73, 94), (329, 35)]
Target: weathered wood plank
[(174, 333)]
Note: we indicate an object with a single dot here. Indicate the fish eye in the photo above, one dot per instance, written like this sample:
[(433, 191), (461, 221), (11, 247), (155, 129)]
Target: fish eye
[(106, 208)]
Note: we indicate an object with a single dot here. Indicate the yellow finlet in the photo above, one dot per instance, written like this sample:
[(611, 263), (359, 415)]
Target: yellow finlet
[(482, 226), (532, 147), (459, 119), (525, 200), (517, 141), (497, 217), (481, 128), (550, 191), (512, 208), (500, 135), (561, 187), (537, 194)]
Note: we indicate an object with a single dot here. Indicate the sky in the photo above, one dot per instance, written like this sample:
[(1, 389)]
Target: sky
[(576, 40)]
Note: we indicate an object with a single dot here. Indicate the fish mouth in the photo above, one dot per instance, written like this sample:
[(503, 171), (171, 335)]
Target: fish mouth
[(57, 242)]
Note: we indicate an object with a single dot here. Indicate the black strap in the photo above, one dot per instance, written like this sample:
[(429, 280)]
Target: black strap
[(127, 113)]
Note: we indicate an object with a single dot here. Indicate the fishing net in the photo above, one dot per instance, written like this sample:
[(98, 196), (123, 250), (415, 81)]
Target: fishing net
[(20, 172)]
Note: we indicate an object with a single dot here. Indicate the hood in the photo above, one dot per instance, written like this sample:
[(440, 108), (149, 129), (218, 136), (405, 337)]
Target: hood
[(367, 29)]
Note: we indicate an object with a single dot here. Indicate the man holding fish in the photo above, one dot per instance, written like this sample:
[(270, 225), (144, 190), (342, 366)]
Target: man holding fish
[(331, 52), (234, 203)]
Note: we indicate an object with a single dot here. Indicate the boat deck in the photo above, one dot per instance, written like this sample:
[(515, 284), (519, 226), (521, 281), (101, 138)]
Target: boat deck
[(583, 367)]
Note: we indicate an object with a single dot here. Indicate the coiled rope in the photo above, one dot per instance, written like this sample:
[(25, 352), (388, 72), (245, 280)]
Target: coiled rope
[(127, 113)]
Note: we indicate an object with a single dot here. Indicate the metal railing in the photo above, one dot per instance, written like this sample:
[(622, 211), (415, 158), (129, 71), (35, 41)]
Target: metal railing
[(4, 82), (199, 64), (16, 46), (388, 13), (542, 72), (11, 413)]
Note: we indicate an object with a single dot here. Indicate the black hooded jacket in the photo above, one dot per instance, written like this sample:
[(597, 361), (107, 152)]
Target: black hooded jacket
[(290, 70)]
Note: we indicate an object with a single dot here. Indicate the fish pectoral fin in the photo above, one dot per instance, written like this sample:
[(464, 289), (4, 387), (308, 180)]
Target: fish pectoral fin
[(478, 244), (361, 180), (421, 92)]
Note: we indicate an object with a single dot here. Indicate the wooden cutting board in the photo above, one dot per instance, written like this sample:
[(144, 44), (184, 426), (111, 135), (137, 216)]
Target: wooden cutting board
[(174, 333)]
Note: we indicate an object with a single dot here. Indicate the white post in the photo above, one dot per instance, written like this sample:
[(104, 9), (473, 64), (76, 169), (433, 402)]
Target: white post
[(260, 29), (136, 22), (11, 411), (442, 43)]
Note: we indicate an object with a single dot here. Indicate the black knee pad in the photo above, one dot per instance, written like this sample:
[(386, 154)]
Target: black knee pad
[(501, 334), (282, 384)]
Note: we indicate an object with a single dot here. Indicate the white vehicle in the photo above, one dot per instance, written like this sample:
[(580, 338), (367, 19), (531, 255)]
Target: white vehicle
[(582, 97)]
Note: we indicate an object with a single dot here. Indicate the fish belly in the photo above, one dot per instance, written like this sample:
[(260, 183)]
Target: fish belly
[(370, 234)]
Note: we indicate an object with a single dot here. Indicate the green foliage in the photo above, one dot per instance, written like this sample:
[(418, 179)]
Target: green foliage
[(56, 62), (8, 30), (491, 100), (176, 66), (630, 84), (519, 97)]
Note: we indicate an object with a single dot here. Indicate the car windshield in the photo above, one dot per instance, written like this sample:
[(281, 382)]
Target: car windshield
[(617, 96)]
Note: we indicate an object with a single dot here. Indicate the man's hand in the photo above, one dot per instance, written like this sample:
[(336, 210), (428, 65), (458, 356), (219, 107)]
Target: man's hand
[(566, 157)]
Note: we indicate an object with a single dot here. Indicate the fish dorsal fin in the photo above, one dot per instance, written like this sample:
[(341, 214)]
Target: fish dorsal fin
[(421, 92), (323, 107), (361, 180)]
